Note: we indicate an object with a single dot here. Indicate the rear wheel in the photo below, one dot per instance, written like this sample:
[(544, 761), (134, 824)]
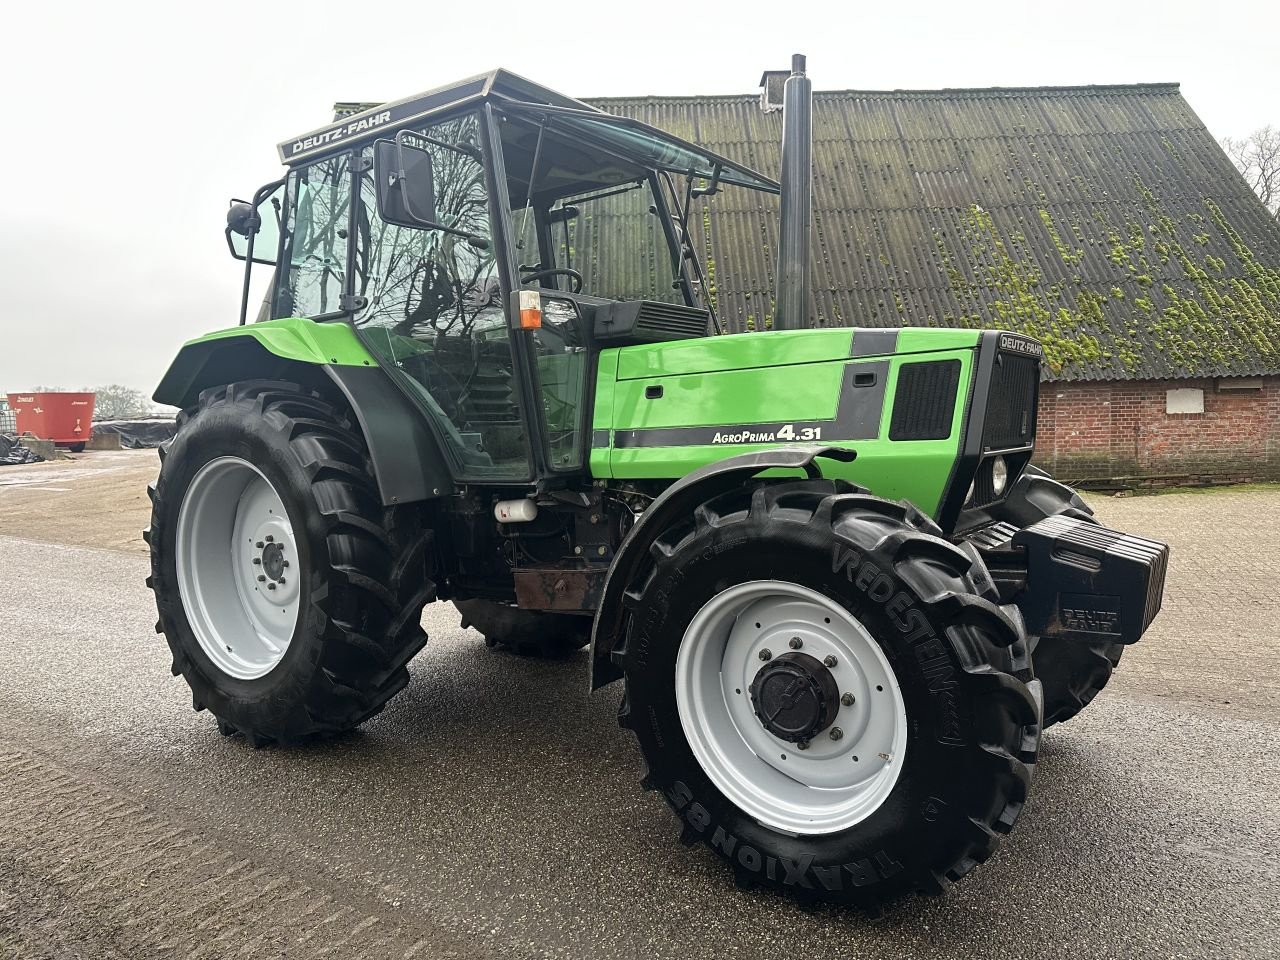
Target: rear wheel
[(290, 598), (827, 694), (531, 633)]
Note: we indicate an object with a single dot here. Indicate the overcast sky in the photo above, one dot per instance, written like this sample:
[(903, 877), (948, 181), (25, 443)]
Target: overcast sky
[(129, 125)]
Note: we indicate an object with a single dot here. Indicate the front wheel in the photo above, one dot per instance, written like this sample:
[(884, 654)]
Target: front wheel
[(827, 695)]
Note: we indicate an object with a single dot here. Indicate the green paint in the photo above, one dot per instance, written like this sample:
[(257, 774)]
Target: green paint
[(729, 387), (298, 339), (257, 350)]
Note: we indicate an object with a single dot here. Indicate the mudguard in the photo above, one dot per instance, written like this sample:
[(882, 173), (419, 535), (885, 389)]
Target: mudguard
[(677, 501), (405, 455)]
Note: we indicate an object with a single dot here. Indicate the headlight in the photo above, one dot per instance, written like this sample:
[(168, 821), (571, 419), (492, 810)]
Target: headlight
[(999, 476)]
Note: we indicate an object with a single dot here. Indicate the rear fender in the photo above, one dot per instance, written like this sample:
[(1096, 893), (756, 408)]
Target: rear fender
[(406, 459), (674, 503)]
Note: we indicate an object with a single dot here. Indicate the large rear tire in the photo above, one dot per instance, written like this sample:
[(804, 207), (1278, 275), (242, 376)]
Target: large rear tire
[(922, 681), (290, 598), (1073, 671)]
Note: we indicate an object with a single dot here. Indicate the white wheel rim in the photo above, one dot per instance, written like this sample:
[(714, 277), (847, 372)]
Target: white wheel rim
[(834, 783), (237, 566)]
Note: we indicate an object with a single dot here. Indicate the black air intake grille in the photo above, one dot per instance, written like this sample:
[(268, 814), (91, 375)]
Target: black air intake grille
[(925, 401), (671, 320), (1011, 408), (626, 322)]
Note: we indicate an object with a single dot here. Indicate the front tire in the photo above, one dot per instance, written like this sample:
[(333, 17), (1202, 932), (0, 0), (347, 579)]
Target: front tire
[(943, 718), (290, 598)]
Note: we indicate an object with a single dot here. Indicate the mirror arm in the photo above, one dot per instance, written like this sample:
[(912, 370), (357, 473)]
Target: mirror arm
[(465, 149), (248, 266), (712, 187), (477, 241), (253, 226)]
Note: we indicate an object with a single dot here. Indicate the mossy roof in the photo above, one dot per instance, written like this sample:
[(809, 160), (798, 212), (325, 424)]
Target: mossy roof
[(1104, 220)]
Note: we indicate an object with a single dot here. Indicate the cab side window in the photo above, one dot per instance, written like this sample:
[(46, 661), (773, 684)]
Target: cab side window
[(317, 228), (433, 305)]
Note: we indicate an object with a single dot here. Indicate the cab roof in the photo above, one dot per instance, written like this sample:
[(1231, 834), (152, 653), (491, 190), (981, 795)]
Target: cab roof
[(648, 144)]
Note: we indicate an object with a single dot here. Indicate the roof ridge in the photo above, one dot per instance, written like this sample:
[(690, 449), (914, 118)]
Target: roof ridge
[(1088, 88)]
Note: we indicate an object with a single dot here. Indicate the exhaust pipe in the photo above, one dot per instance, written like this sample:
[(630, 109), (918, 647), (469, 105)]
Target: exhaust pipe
[(791, 310)]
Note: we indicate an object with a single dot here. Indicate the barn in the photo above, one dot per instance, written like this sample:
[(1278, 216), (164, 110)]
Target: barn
[(1104, 220)]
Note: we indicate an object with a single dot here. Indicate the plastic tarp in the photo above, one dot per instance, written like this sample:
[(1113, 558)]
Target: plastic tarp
[(139, 434), (12, 452)]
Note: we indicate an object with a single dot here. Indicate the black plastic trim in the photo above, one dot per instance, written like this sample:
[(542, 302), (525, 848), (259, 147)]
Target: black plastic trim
[(874, 343), (974, 421), (406, 458)]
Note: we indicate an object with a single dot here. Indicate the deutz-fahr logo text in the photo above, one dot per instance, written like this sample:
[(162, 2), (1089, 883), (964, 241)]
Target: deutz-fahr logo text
[(340, 133), (1091, 620), (1012, 343)]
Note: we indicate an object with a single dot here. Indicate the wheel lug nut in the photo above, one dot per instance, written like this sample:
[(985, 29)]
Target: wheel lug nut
[(269, 538), (284, 563), (766, 654), (836, 733), (829, 660), (281, 580), (259, 544), (795, 643), (261, 578), (271, 586), (257, 560), (847, 699), (803, 745)]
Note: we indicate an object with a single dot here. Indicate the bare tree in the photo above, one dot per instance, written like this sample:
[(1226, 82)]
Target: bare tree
[(118, 402), (1257, 157)]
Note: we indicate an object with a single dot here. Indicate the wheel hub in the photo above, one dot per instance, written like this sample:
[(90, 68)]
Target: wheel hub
[(273, 562), (795, 697)]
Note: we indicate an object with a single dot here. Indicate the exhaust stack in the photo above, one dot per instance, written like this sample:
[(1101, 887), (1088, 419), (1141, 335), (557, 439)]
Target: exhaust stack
[(791, 311)]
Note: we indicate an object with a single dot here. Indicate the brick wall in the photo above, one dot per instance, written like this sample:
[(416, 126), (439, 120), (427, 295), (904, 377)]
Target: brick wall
[(1122, 429)]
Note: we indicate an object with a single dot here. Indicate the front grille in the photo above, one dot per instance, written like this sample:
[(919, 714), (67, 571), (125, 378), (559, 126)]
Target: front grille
[(925, 400), (1011, 405)]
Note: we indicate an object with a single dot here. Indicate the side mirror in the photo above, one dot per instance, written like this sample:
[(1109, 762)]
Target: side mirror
[(406, 183), (242, 219), (259, 220)]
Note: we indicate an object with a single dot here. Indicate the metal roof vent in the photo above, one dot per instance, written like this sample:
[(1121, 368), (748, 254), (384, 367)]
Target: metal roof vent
[(771, 84), (348, 108)]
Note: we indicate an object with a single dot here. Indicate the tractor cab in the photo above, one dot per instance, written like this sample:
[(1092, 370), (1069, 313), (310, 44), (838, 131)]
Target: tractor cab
[(485, 240)]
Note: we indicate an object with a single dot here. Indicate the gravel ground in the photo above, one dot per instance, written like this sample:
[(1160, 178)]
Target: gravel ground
[(493, 810)]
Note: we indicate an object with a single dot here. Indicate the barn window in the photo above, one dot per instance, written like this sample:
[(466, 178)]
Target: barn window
[(1184, 400)]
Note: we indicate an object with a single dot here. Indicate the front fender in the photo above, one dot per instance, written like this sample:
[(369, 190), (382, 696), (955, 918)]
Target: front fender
[(256, 351), (677, 501)]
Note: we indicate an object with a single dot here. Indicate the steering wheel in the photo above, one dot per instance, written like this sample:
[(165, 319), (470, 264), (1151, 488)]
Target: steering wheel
[(573, 275)]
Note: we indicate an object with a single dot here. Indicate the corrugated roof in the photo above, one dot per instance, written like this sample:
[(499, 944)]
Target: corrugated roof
[(1103, 220)]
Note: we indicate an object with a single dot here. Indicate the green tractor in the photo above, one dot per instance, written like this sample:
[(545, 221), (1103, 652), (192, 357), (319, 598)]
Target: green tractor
[(842, 602)]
